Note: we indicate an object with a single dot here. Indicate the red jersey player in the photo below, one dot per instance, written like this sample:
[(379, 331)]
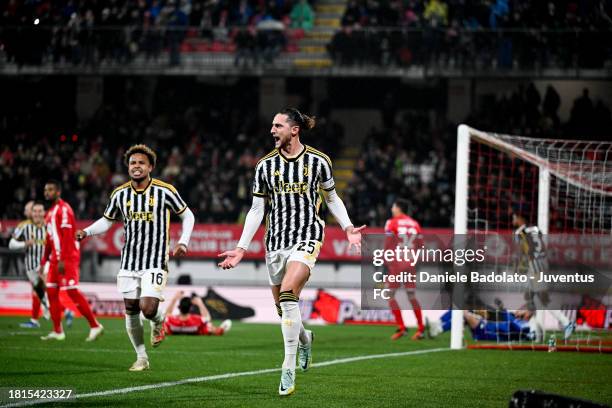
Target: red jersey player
[(407, 231), (190, 322), (63, 254)]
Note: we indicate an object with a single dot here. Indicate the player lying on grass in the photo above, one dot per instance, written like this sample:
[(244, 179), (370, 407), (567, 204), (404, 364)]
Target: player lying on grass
[(193, 317), (507, 325)]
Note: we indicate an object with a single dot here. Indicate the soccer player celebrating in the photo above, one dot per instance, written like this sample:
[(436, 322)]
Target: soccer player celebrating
[(405, 232), (30, 236), (64, 256), (193, 318), (533, 259), (144, 204), (290, 177)]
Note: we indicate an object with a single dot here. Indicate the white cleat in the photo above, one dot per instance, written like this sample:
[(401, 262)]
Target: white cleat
[(226, 325), (141, 364), (54, 336), (305, 352), (95, 332), (287, 382)]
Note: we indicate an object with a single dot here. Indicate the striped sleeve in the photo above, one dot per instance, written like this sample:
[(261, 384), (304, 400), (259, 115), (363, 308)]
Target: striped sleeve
[(174, 201), (327, 179), (112, 207), (19, 231), (259, 183)]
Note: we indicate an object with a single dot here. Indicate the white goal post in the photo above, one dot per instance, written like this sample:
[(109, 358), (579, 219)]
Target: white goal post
[(573, 177)]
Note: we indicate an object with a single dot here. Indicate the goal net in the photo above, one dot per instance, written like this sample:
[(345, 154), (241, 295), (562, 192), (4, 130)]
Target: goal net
[(564, 189)]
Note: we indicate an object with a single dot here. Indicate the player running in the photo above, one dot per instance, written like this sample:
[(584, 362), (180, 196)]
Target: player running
[(405, 231), (30, 236), (64, 256), (290, 177), (533, 260), (193, 318), (144, 205)]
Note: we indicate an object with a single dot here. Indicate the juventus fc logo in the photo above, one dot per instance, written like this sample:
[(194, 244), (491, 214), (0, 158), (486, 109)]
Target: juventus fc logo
[(151, 201), (306, 171)]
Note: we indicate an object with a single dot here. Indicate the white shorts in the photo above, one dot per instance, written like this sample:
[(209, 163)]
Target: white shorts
[(147, 283), (305, 252), (33, 277)]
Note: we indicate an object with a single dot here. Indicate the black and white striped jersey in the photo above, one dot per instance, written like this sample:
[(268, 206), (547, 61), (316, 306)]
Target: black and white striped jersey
[(25, 231), (146, 222), (532, 250), (291, 186)]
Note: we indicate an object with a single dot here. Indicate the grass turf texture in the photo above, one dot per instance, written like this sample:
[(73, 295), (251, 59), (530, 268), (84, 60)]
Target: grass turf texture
[(474, 378)]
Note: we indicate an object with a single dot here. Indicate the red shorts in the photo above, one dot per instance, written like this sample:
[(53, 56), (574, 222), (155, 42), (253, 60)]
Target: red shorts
[(396, 269), (68, 279)]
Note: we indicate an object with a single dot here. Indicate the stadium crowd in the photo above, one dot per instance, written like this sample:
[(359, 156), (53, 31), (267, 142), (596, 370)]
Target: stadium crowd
[(89, 32), (413, 156), (502, 34)]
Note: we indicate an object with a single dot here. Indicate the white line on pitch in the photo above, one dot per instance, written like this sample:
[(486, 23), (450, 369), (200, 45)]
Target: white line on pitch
[(221, 377)]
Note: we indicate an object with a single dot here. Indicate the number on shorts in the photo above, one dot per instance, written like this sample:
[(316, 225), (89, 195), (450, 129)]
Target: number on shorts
[(311, 246), (157, 278)]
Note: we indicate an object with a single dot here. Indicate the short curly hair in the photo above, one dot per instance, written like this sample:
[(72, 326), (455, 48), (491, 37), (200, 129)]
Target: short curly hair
[(143, 149)]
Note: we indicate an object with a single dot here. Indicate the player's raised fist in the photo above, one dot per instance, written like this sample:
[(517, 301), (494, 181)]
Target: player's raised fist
[(80, 234)]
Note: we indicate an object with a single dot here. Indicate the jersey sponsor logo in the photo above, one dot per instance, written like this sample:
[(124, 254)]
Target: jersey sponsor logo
[(283, 187), (140, 216)]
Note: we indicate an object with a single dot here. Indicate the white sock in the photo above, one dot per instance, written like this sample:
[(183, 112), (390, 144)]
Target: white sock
[(304, 337), (158, 318), (135, 332), (561, 318), (291, 324)]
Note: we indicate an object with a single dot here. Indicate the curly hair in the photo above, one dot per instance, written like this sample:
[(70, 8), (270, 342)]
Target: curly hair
[(143, 149)]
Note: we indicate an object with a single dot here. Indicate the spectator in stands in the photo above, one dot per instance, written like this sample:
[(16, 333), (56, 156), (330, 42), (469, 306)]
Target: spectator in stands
[(302, 15)]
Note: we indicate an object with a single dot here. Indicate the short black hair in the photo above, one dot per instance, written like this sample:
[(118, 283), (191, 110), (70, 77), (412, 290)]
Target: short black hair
[(56, 183), (185, 305), (403, 204)]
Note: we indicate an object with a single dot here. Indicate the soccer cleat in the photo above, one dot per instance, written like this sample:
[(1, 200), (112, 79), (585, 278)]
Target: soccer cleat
[(305, 352), (158, 333), (95, 332), (32, 324), (68, 317), (287, 382), (418, 335), (226, 325), (141, 364), (54, 336), (568, 330), (398, 333)]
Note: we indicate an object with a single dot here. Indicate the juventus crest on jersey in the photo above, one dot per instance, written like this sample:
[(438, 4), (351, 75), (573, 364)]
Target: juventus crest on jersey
[(146, 222), (26, 231), (292, 187)]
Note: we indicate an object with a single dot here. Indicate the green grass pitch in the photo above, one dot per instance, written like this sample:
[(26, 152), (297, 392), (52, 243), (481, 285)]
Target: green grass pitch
[(469, 378)]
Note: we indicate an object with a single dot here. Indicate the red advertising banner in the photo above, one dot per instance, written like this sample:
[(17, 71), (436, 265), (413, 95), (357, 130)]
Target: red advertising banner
[(208, 240)]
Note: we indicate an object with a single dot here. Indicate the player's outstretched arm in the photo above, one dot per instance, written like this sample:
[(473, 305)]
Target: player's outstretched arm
[(251, 223), (188, 222), (97, 228), (338, 210)]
